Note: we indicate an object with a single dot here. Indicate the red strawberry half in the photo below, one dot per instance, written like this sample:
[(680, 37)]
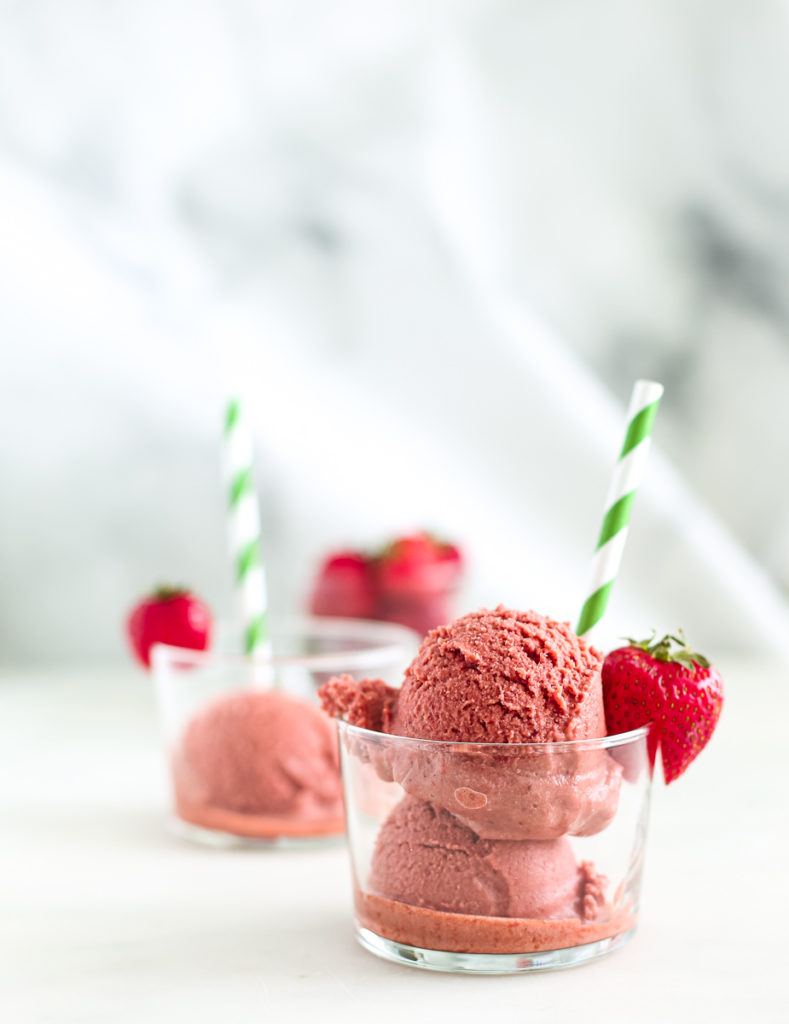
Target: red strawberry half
[(170, 615), (672, 687)]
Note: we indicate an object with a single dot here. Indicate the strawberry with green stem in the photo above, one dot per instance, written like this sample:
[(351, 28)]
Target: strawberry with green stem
[(668, 684), (170, 615)]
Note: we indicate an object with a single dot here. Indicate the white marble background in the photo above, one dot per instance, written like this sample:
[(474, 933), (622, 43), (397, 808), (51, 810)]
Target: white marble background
[(435, 241)]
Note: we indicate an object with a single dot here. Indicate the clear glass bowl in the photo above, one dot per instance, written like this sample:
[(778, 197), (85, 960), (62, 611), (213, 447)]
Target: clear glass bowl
[(495, 858), (252, 759)]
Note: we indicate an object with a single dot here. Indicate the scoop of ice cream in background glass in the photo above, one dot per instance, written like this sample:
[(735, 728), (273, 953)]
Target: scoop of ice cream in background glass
[(252, 759)]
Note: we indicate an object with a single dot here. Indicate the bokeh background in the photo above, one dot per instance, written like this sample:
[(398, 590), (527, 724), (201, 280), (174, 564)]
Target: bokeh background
[(433, 243)]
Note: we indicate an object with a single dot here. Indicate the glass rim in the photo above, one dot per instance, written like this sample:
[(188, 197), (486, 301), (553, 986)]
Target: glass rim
[(387, 642), (588, 743)]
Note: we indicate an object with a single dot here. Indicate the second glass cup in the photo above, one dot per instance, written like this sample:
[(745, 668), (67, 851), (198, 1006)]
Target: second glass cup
[(252, 758)]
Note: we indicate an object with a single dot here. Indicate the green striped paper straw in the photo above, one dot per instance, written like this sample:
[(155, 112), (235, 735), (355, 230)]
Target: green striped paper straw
[(244, 524), (629, 470)]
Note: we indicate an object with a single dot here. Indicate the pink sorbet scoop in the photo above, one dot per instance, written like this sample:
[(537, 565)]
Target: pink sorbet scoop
[(494, 677), (426, 858), (261, 752)]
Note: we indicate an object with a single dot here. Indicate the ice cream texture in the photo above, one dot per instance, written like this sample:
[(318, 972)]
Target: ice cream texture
[(498, 676), (425, 857), (261, 755), (495, 677)]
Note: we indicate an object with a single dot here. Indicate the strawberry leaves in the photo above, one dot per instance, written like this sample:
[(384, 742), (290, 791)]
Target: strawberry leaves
[(681, 653)]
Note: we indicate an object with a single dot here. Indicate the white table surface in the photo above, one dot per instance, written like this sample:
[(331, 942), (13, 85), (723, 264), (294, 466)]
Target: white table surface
[(104, 917)]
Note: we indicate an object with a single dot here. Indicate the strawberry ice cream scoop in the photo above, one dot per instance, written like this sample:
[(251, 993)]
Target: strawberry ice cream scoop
[(502, 677), (488, 677), (495, 677), (426, 858), (260, 752)]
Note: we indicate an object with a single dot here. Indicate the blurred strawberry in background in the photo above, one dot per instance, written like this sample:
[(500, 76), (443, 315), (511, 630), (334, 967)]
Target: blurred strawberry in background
[(169, 615), (416, 578), (411, 581), (345, 587)]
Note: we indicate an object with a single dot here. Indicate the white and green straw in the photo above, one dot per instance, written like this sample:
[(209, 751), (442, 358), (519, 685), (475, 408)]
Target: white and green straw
[(629, 470), (244, 524)]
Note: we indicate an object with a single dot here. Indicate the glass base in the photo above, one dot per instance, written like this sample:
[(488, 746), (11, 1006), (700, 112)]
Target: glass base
[(489, 963), (230, 841)]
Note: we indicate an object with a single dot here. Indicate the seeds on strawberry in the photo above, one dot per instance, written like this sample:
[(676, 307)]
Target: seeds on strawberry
[(669, 685)]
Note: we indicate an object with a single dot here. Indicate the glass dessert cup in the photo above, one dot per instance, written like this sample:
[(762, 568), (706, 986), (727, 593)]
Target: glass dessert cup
[(492, 858), (253, 761)]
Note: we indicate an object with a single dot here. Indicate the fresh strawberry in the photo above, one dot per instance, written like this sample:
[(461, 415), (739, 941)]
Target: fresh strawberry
[(417, 564), (170, 615), (416, 577), (667, 684), (344, 587)]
